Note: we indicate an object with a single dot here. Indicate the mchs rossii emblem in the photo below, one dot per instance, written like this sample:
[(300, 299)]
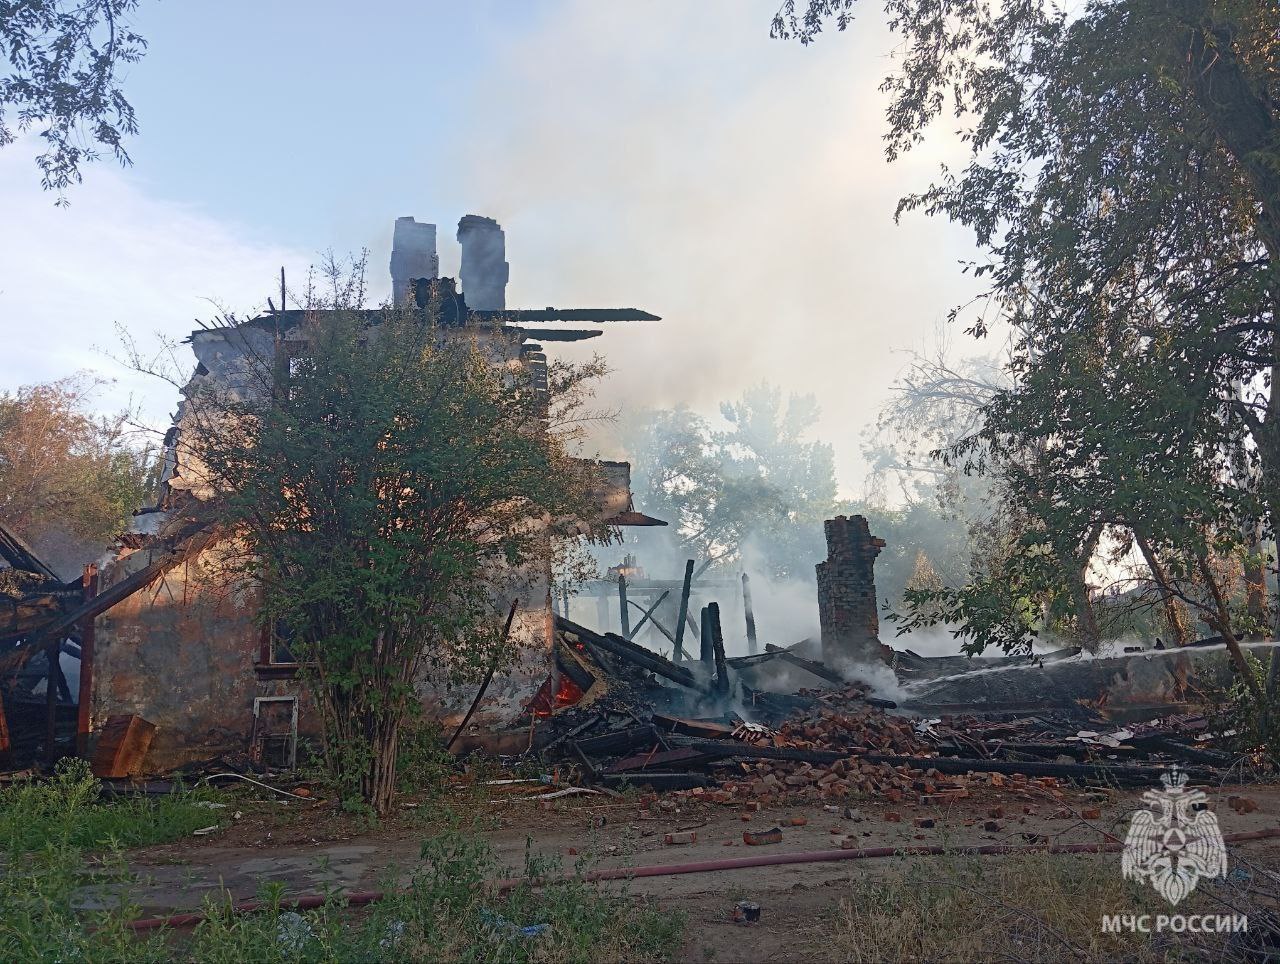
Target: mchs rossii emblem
[(1174, 843)]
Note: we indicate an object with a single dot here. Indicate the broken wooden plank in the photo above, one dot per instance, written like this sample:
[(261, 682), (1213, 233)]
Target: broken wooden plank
[(681, 757), (708, 729), (678, 653), (122, 747)]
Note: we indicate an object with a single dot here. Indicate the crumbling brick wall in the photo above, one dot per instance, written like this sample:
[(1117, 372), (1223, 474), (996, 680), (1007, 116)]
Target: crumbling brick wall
[(847, 592)]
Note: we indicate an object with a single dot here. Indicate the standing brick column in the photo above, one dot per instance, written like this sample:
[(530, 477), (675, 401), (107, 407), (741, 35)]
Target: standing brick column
[(847, 592)]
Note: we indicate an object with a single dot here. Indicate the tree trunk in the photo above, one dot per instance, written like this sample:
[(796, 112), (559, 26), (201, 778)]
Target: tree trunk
[(1175, 613), (1087, 621), (378, 784), (1234, 105), (1221, 621)]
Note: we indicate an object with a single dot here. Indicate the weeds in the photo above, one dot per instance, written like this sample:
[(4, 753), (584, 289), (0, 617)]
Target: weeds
[(421, 760), (447, 912), (68, 811), (1040, 907)]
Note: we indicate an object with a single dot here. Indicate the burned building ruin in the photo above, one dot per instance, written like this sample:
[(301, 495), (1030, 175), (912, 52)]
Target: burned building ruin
[(175, 644), (847, 593)]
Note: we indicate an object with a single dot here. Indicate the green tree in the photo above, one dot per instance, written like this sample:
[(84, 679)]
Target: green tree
[(757, 484), (63, 62), (1123, 182), (393, 489)]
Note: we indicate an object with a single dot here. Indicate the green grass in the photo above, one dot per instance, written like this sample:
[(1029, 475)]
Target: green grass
[(447, 912), (68, 810)]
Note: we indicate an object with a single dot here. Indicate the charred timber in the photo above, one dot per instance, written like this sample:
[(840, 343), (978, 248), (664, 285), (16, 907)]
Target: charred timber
[(634, 653), (598, 315), (817, 669), (1070, 771)]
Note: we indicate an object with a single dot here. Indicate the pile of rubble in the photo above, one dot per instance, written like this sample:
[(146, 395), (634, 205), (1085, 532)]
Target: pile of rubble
[(622, 728)]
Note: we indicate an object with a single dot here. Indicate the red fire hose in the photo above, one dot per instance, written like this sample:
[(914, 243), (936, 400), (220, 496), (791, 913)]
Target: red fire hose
[(361, 898)]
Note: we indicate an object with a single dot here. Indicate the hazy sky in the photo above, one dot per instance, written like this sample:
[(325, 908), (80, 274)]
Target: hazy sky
[(663, 155)]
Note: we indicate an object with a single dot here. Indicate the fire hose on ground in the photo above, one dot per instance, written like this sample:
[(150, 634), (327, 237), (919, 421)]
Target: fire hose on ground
[(363, 898)]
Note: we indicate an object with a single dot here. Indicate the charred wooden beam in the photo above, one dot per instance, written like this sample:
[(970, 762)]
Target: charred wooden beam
[(746, 751), (634, 653), (749, 613), (622, 606), (648, 614), (619, 741), (817, 669), (717, 650), (677, 654)]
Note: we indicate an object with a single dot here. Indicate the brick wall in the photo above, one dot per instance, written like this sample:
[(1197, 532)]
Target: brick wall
[(847, 592)]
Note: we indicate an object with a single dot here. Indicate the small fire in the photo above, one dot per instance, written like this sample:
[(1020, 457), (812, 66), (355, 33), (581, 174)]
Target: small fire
[(568, 693)]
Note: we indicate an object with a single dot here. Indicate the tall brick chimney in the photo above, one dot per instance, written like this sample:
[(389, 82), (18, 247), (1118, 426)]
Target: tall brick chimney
[(413, 255), (847, 593), (484, 270)]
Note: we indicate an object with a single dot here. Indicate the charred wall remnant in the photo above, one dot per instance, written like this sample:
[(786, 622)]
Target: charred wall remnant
[(484, 270), (847, 592), (413, 255)]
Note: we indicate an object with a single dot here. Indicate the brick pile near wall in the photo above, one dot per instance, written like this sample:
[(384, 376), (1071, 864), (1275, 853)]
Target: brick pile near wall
[(847, 592)]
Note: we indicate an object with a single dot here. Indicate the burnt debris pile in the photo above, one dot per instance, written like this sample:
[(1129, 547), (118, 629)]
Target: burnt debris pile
[(623, 715)]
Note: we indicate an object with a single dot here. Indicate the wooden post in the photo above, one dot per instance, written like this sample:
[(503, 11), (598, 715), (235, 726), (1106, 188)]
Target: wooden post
[(4, 736), (751, 616), (706, 652), (717, 649), (53, 653), (622, 606), (678, 653), (85, 698), (565, 602)]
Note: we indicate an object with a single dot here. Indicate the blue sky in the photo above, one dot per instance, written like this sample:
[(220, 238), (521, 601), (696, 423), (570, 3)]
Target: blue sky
[(652, 153)]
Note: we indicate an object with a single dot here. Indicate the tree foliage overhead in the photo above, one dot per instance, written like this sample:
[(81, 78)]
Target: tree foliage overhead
[(62, 61), (1124, 181)]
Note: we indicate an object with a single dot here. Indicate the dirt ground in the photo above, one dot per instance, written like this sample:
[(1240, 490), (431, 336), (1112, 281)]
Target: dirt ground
[(313, 846)]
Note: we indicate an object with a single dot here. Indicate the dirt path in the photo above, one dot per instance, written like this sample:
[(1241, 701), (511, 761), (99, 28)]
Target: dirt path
[(314, 851)]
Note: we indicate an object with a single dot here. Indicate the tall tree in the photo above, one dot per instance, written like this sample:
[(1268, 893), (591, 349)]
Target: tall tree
[(393, 489), (760, 483), (1122, 180), (69, 478)]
